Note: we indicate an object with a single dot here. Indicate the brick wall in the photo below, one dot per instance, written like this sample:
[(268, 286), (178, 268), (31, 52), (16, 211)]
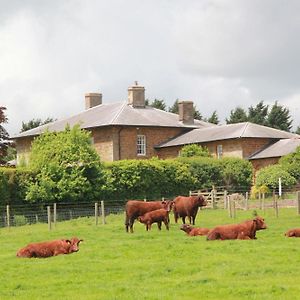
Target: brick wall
[(263, 162), (23, 147)]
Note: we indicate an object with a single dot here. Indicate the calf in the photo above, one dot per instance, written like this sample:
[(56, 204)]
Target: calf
[(156, 216), (188, 207), (293, 232), (193, 231), (243, 231), (135, 208), (51, 248)]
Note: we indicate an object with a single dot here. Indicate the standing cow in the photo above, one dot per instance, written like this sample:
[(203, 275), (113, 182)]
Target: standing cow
[(187, 207), (135, 208)]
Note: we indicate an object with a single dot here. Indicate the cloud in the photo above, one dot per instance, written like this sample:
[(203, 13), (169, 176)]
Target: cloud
[(219, 54)]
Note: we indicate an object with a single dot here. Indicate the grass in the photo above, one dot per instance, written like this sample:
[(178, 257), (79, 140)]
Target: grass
[(112, 264)]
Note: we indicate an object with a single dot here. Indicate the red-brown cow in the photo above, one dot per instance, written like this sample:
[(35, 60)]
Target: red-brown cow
[(187, 207), (156, 216), (243, 231), (50, 248), (293, 232), (135, 208), (193, 231)]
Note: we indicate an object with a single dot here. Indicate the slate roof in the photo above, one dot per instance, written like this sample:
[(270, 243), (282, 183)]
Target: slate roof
[(116, 114), (278, 149), (225, 132)]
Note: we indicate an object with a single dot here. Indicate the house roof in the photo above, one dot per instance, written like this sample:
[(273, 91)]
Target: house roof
[(116, 114), (278, 149), (225, 132)]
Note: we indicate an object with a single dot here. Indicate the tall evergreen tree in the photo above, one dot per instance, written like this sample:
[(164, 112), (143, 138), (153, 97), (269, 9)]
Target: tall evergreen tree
[(34, 123), (158, 103), (174, 108), (298, 130), (3, 134), (213, 118), (279, 118), (258, 114), (197, 114), (237, 115)]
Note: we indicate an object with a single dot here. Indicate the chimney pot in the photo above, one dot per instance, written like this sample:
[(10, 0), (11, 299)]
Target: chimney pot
[(92, 99)]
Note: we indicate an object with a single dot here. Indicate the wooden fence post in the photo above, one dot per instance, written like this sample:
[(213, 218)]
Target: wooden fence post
[(96, 213), (7, 216), (225, 199), (276, 206), (49, 217), (246, 201), (298, 202), (213, 201), (233, 208), (259, 198), (229, 206), (102, 212), (54, 214), (263, 203)]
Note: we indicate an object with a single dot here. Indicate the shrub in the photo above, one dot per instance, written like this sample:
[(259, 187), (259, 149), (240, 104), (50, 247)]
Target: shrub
[(269, 176), (20, 220), (291, 163), (194, 150)]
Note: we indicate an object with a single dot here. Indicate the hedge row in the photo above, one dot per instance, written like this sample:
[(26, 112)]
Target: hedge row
[(138, 179)]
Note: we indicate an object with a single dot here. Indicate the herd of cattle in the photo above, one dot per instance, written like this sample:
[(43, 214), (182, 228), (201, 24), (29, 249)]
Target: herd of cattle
[(158, 212)]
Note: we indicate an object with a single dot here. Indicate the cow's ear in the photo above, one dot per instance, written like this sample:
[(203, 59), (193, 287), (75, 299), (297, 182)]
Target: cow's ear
[(80, 240), (164, 202), (68, 241)]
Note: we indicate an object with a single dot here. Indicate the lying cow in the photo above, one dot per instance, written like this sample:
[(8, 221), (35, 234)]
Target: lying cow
[(293, 232), (135, 208), (243, 231), (193, 231), (51, 248), (156, 216), (187, 207)]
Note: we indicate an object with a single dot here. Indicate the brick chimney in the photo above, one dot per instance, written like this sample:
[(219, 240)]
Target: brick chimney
[(186, 112), (136, 95), (92, 99)]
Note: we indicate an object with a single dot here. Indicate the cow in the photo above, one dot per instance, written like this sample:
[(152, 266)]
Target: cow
[(187, 207), (293, 232), (193, 231), (50, 248), (243, 231), (156, 216), (136, 208)]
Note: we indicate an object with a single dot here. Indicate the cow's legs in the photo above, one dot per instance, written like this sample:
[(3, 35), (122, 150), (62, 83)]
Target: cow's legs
[(159, 225), (131, 221), (176, 216), (166, 224), (183, 220)]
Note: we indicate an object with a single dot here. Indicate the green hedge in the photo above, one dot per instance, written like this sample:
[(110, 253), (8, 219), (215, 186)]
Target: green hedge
[(138, 179)]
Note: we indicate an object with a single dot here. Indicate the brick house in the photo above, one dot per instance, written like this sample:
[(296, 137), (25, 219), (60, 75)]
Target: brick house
[(125, 130), (132, 130)]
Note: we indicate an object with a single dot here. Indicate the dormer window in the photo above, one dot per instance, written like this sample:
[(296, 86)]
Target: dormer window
[(219, 151)]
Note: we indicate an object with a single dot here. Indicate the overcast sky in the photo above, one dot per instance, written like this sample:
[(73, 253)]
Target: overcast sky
[(219, 54)]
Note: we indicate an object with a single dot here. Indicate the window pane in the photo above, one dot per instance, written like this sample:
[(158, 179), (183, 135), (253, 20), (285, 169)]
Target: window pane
[(141, 145)]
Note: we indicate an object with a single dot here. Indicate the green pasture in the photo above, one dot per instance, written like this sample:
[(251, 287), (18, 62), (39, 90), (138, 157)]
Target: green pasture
[(113, 264)]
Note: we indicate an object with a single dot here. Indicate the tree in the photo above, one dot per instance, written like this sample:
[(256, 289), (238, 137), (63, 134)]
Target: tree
[(237, 115), (35, 123), (298, 130), (174, 108), (157, 103), (258, 114), (213, 118), (4, 136), (194, 150), (197, 114), (67, 167), (279, 118)]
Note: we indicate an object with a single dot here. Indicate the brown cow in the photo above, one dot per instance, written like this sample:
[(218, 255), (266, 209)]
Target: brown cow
[(51, 248), (188, 207), (155, 216), (135, 208), (243, 231), (193, 231), (293, 232)]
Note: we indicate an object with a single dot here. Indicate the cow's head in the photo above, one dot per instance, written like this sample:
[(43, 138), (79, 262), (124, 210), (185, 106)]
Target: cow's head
[(141, 219), (74, 244), (186, 228), (260, 223), (201, 200), (167, 204)]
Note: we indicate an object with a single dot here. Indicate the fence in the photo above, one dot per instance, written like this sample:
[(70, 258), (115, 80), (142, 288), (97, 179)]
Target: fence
[(217, 198)]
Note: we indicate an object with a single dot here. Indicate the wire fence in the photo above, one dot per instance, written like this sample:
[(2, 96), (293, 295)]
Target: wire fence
[(218, 198)]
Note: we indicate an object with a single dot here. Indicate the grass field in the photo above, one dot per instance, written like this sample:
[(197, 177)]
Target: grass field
[(112, 264)]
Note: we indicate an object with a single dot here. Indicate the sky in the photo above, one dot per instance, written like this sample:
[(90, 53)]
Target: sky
[(220, 54)]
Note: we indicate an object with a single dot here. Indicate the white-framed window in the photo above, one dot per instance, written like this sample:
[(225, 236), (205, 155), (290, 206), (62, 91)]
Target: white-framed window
[(141, 145), (219, 151)]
